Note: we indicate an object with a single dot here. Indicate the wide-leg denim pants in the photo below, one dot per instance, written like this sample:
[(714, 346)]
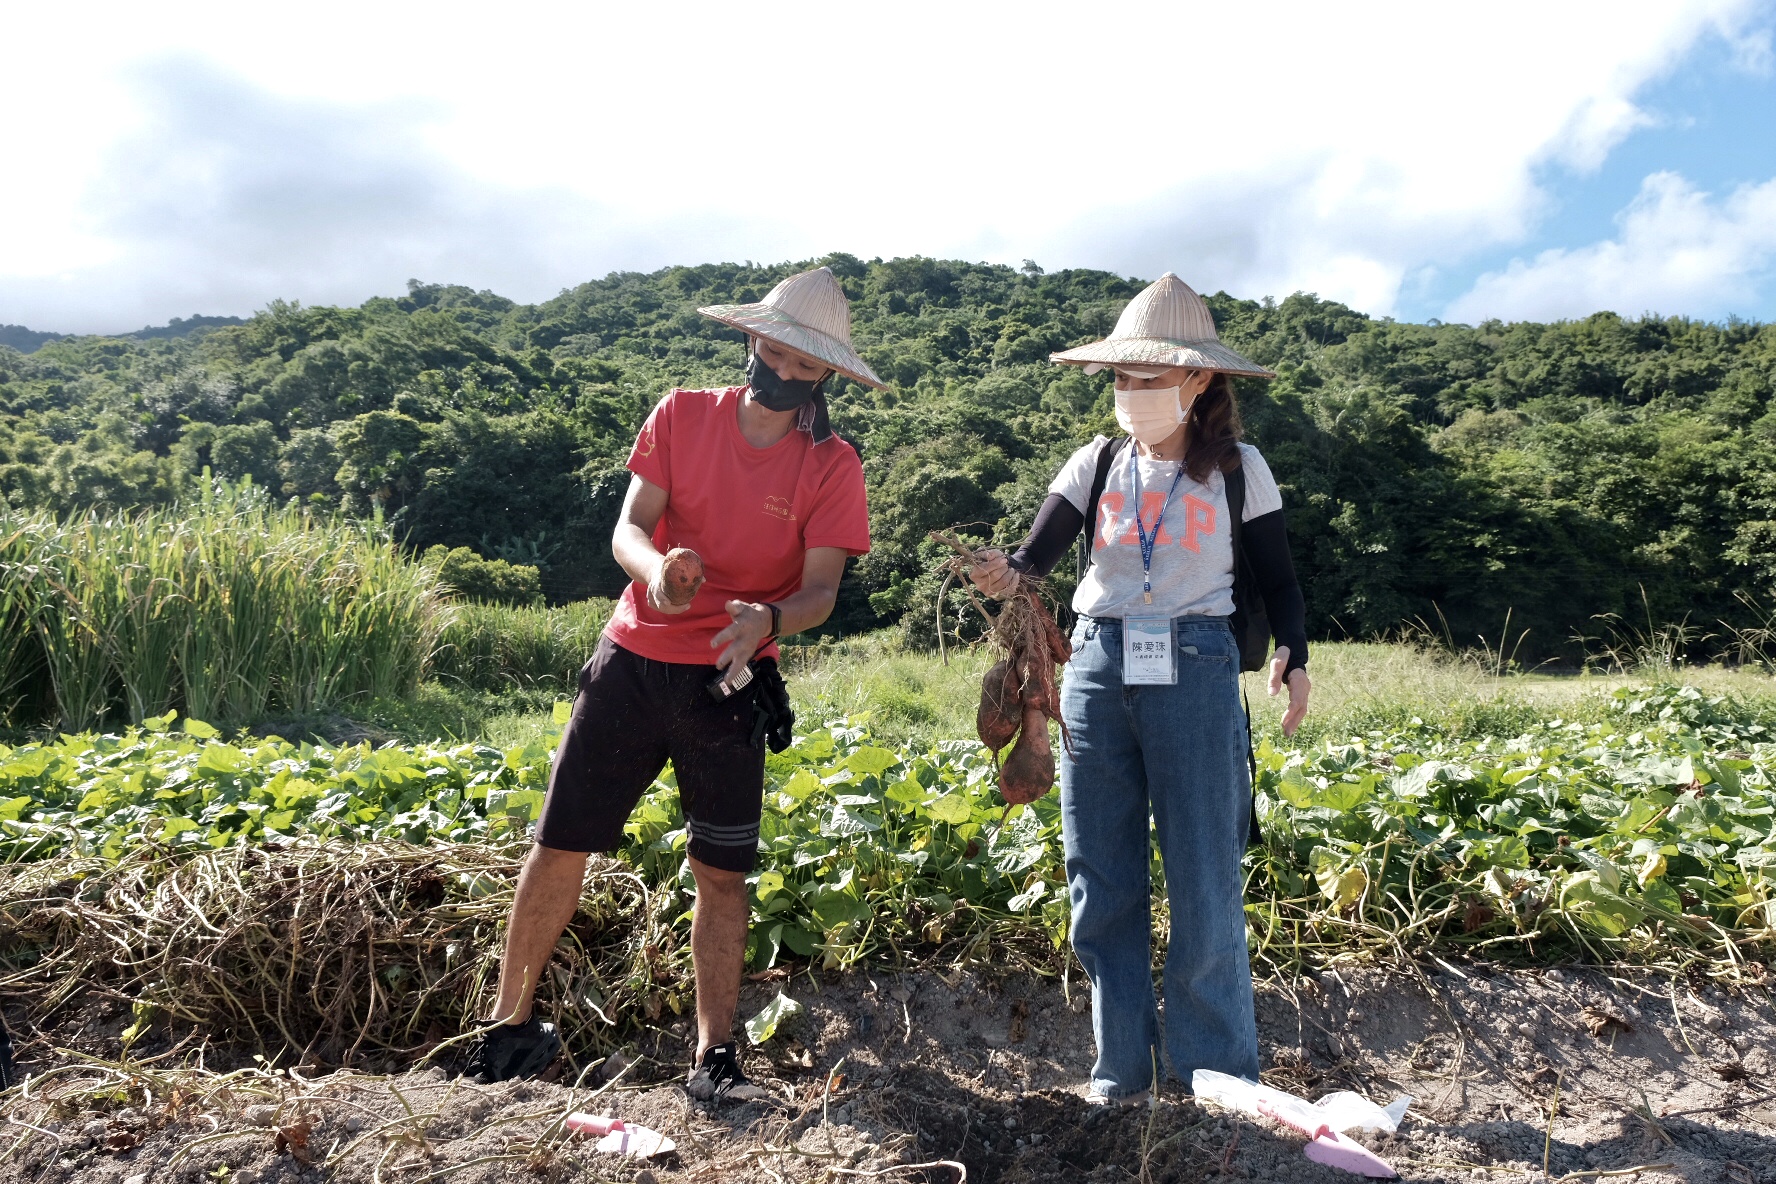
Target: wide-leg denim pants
[(1178, 754)]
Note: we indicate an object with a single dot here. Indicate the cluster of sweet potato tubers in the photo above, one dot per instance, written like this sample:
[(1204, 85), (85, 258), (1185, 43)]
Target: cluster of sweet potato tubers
[(1021, 693)]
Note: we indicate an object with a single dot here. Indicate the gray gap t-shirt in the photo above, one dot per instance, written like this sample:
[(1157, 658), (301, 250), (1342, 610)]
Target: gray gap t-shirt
[(1193, 553)]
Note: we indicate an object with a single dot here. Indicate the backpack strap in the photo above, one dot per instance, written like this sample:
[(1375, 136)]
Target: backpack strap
[(1106, 457), (1236, 508), (1235, 486)]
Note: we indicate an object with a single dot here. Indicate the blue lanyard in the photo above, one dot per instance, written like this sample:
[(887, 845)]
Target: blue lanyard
[(1147, 540)]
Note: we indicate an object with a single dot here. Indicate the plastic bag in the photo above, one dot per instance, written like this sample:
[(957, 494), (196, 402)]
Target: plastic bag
[(1323, 1122), (1340, 1111)]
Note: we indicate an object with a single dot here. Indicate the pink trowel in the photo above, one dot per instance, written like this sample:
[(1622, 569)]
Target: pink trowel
[(1327, 1146), (619, 1137)]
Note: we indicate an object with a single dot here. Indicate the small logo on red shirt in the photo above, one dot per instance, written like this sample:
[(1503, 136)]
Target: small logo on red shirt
[(779, 507)]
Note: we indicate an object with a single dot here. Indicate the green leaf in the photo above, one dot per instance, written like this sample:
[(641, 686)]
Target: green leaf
[(844, 822), (770, 941), (1587, 897), (201, 730), (1293, 788), (799, 940), (908, 792), (1503, 851), (1342, 795), (1030, 896), (28, 763), (769, 884), (96, 799), (561, 712), (1342, 889), (1660, 895), (870, 759), (953, 808), (221, 758), (801, 784), (764, 1025)]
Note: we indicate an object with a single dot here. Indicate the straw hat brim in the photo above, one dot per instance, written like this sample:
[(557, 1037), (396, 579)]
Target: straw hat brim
[(1160, 351), (764, 321)]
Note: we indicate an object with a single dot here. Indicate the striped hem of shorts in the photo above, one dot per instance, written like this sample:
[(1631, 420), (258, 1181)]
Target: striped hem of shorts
[(722, 836)]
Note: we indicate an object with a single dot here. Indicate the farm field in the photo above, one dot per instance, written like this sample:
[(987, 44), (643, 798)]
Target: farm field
[(1472, 888)]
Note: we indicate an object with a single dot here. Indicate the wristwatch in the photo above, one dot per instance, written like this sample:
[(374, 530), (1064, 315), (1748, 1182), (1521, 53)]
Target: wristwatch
[(776, 619)]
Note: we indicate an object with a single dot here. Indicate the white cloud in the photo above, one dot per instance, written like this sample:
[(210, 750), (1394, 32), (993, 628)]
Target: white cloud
[(210, 156), (1678, 251)]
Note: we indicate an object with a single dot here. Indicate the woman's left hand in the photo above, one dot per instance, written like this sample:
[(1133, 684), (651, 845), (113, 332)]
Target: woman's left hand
[(1299, 686)]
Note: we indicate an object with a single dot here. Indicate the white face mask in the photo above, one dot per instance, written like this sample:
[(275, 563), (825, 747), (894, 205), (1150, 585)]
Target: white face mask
[(1149, 416)]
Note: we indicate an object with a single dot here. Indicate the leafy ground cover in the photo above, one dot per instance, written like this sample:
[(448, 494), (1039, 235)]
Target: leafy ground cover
[(1648, 837)]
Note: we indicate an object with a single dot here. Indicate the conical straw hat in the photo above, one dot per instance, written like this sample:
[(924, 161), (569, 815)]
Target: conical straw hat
[(1167, 324), (807, 312)]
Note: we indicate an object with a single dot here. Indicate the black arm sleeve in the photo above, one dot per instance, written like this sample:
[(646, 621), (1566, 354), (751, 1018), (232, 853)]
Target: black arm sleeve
[(1265, 541), (1058, 523)]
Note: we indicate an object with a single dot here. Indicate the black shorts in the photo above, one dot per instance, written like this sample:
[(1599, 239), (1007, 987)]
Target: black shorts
[(631, 716)]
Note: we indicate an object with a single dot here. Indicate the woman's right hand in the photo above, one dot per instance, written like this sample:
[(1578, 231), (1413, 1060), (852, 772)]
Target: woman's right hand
[(994, 575)]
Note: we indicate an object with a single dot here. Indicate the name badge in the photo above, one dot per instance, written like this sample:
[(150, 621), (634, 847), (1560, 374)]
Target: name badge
[(1147, 652)]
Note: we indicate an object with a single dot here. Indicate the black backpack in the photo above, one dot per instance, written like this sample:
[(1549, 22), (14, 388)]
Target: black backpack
[(1251, 622)]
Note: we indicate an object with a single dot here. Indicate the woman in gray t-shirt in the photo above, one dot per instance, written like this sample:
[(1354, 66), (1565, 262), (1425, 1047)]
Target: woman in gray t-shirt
[(1151, 695)]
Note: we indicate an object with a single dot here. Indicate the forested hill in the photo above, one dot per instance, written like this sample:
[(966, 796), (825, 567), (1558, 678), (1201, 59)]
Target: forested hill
[(1550, 470)]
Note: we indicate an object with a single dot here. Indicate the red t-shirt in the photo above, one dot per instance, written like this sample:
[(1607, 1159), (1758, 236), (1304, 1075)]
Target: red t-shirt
[(752, 514)]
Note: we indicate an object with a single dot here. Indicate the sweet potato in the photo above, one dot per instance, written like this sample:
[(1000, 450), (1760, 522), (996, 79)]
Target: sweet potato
[(1029, 772), (1060, 647), (681, 575), (996, 720)]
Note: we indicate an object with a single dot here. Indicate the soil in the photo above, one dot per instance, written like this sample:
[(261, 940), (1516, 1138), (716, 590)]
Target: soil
[(984, 1071)]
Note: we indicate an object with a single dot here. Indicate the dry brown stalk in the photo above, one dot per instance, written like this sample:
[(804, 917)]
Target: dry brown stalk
[(372, 951)]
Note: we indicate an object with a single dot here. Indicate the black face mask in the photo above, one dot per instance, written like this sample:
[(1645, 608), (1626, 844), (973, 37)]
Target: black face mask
[(776, 393)]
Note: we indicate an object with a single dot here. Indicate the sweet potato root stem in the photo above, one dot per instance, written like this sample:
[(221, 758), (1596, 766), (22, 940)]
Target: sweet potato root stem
[(1023, 686)]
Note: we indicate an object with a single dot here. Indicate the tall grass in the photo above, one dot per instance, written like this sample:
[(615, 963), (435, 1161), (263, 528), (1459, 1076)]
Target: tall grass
[(493, 647), (223, 609)]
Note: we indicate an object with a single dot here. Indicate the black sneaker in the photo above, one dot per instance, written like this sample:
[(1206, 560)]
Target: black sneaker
[(512, 1050), (717, 1077)]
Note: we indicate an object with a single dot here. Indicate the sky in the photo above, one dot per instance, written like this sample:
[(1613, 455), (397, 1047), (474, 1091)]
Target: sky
[(1520, 160)]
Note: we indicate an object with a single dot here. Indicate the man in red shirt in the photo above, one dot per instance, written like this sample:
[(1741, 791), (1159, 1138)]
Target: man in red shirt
[(752, 479)]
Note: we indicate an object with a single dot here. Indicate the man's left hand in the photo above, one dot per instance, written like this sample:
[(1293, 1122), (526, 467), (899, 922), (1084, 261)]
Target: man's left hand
[(750, 626)]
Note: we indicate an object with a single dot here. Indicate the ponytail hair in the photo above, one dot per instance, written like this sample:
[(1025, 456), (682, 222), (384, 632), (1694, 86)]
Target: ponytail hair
[(1215, 430)]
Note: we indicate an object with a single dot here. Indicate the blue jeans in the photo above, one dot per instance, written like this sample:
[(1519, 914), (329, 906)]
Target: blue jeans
[(1178, 752)]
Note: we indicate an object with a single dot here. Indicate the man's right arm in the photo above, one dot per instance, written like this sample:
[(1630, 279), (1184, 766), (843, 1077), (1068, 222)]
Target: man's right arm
[(633, 542)]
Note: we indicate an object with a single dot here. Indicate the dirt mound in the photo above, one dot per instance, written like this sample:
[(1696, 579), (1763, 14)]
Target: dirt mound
[(985, 1072)]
